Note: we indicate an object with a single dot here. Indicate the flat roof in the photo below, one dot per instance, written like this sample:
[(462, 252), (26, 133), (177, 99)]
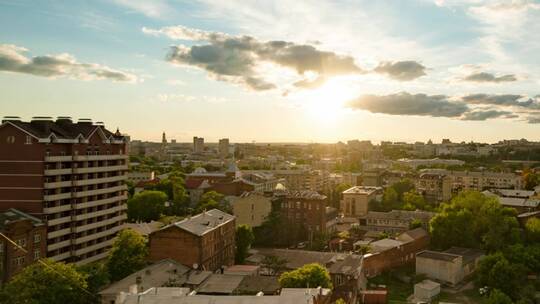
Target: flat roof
[(366, 190), (203, 222)]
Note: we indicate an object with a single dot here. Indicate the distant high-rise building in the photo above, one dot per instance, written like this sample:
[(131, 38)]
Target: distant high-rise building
[(163, 147), (69, 175), (198, 144), (223, 148)]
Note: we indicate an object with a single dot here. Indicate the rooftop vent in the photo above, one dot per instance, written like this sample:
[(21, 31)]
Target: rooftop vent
[(85, 121), (41, 118), (99, 123), (63, 119), (11, 118)]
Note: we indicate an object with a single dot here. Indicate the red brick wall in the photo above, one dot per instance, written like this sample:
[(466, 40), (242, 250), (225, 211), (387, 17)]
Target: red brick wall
[(375, 264)]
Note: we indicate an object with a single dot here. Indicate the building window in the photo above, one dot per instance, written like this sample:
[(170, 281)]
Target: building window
[(28, 140), (37, 238), (1, 248), (36, 254), (10, 139), (18, 261), (21, 243)]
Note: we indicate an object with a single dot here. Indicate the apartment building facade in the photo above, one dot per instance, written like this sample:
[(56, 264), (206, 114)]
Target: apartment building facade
[(27, 232), (309, 210), (71, 176), (355, 202), (206, 240), (435, 187)]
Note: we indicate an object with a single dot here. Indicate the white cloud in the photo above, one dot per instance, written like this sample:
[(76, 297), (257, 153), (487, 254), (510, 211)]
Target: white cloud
[(153, 9)]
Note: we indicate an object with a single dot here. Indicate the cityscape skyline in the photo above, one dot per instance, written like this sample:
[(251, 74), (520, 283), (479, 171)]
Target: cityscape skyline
[(421, 70)]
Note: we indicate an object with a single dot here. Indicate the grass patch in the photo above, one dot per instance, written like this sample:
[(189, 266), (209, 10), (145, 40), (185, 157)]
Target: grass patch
[(398, 289)]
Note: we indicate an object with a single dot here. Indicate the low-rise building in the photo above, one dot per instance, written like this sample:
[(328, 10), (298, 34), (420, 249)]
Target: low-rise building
[(394, 221), (206, 240), (355, 202), (426, 290), (252, 208), (140, 176), (450, 266), (28, 232), (387, 253), (308, 209)]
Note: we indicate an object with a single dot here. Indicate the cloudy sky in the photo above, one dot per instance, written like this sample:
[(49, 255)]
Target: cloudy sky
[(278, 71)]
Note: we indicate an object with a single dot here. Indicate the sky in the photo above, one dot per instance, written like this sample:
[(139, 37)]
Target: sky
[(277, 71)]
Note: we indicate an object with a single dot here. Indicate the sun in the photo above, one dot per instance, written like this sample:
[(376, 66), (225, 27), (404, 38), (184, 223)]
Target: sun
[(326, 104)]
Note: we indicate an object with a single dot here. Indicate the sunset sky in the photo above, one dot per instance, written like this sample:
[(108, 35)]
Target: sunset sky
[(278, 71)]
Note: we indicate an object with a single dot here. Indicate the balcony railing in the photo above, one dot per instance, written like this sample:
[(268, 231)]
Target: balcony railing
[(100, 191), (100, 223), (54, 246), (57, 233), (57, 209), (100, 212), (99, 157), (94, 247), (53, 185), (86, 238), (57, 197), (61, 256), (58, 221), (58, 171), (93, 181), (99, 169), (93, 258), (101, 202)]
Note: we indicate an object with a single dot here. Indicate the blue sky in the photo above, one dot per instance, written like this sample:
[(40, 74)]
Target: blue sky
[(310, 70)]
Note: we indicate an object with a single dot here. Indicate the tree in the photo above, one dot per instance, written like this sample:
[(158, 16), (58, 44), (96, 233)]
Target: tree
[(413, 200), (307, 276), (496, 272), (127, 255), (275, 264), (403, 186), (452, 228), (146, 206), (498, 297), (390, 199), (416, 223), (211, 200), (244, 239), (47, 283), (97, 276), (530, 179), (532, 230)]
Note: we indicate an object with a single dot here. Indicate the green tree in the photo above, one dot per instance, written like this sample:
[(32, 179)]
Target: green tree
[(244, 239), (212, 200), (413, 200), (452, 228), (416, 223), (146, 206), (390, 199), (530, 179), (498, 297), (97, 276), (403, 186), (128, 254), (496, 272), (51, 283), (532, 230), (275, 264), (307, 276)]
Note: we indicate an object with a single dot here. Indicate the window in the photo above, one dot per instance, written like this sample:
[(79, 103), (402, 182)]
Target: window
[(28, 140), (21, 243), (10, 139), (36, 254), (1, 248), (18, 261), (37, 238)]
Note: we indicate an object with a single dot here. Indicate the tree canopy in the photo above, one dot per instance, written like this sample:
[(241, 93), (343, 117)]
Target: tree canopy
[(244, 239), (146, 206), (52, 283), (127, 255), (307, 276)]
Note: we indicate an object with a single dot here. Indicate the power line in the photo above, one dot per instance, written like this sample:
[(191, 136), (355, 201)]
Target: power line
[(44, 264)]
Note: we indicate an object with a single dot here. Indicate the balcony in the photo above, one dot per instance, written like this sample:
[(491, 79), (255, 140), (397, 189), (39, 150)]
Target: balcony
[(98, 235), (101, 223), (58, 158), (101, 202), (100, 212), (60, 257), (99, 157), (93, 181), (57, 209), (54, 246), (100, 191), (57, 233), (57, 197), (94, 247), (99, 169), (57, 171), (97, 257), (57, 184), (58, 221)]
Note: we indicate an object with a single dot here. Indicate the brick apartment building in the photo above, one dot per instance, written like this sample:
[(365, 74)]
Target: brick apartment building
[(309, 210), (28, 232), (206, 239), (71, 176)]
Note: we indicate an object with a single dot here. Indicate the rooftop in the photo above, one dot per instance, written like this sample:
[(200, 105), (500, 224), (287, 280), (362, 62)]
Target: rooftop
[(362, 190), (343, 263), (155, 275), (220, 284), (306, 194), (203, 222), (12, 215), (400, 214)]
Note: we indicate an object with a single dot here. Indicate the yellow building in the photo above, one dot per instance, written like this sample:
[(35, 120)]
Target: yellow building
[(252, 208), (356, 199)]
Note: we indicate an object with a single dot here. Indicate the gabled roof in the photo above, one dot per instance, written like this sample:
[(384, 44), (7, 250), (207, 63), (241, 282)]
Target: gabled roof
[(12, 215)]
